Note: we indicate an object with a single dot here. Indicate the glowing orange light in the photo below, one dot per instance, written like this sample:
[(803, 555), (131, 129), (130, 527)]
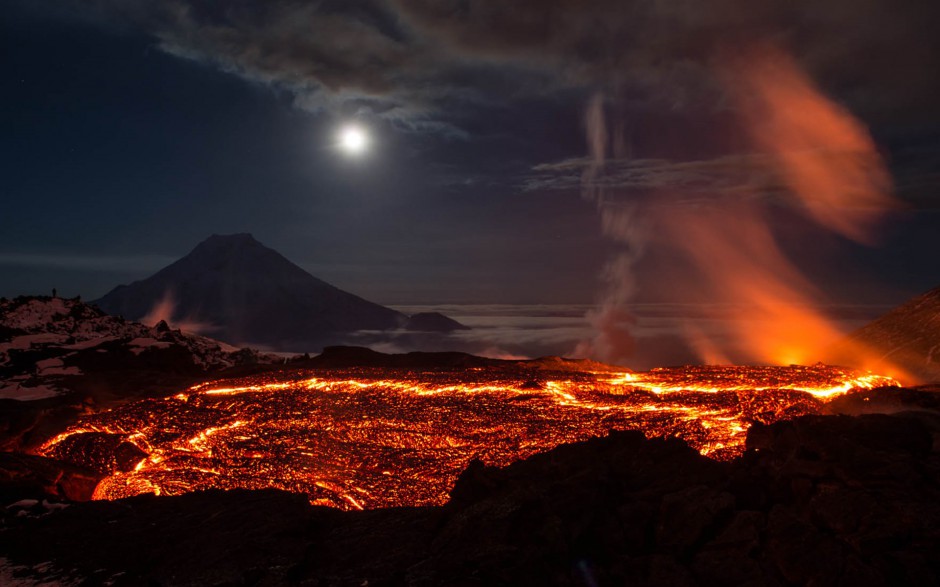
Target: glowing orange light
[(368, 439)]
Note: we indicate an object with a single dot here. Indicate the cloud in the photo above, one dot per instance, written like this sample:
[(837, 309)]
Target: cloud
[(345, 58), (875, 51), (423, 62), (721, 175), (322, 51), (103, 263)]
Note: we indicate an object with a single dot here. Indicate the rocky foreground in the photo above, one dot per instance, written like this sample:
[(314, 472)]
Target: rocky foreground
[(820, 500)]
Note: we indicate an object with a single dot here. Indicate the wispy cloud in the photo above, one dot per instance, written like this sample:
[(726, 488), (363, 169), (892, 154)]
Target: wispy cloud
[(103, 263), (724, 175)]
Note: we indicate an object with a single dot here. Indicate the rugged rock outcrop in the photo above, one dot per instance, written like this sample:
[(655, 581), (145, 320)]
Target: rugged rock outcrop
[(48, 342), (38, 477), (61, 357)]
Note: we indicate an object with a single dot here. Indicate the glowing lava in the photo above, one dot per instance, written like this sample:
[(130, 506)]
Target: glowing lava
[(373, 438)]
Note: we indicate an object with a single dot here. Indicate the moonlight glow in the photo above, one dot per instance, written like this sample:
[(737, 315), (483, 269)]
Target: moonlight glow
[(353, 140)]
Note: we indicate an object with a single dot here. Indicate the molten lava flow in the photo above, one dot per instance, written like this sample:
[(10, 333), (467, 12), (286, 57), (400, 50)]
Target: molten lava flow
[(373, 438)]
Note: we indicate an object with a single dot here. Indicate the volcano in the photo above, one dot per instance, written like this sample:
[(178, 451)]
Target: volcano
[(240, 291)]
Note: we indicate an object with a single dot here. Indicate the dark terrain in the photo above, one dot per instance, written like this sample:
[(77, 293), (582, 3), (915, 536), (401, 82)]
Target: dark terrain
[(820, 500)]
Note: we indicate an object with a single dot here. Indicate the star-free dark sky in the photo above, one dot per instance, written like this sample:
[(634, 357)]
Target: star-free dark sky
[(132, 130)]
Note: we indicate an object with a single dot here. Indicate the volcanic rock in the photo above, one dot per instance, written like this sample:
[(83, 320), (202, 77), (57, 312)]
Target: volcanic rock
[(819, 500), (209, 538), (30, 476), (100, 451)]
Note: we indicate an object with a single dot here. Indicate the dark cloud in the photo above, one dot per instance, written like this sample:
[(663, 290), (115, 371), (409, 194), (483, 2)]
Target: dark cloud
[(420, 60), (104, 263), (348, 58), (879, 53), (322, 51)]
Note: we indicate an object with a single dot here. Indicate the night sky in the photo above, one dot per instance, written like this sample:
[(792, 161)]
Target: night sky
[(132, 130)]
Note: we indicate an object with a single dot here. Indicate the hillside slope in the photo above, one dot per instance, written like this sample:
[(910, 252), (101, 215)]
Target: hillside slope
[(907, 337)]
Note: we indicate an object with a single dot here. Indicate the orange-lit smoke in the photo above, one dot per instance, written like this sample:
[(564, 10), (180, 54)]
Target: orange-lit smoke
[(828, 164), (822, 154), (740, 263), (165, 309), (821, 157)]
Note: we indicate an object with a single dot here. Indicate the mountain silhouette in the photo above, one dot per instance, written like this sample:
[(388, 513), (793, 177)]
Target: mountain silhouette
[(233, 288)]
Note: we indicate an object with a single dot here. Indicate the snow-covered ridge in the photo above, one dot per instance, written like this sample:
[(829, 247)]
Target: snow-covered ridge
[(43, 340)]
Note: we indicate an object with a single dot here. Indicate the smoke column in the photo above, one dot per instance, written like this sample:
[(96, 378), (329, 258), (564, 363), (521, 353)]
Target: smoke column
[(612, 322)]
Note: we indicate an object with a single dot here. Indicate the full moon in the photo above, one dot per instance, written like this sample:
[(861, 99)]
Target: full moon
[(353, 140)]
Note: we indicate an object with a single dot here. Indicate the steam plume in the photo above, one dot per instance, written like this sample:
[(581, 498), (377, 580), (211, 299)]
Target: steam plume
[(612, 321), (165, 309)]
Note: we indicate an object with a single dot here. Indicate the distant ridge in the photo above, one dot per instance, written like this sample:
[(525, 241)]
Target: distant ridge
[(240, 291), (345, 357)]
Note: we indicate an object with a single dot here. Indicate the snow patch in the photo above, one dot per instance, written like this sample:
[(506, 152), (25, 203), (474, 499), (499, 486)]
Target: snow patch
[(13, 390), (139, 345), (23, 503), (55, 366), (27, 341), (36, 313), (90, 343), (49, 363)]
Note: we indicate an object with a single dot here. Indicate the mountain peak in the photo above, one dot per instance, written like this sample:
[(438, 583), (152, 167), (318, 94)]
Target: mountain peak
[(240, 239), (244, 292), (244, 237)]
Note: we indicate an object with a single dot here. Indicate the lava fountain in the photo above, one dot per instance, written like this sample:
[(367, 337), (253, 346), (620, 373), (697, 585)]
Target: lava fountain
[(369, 438)]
